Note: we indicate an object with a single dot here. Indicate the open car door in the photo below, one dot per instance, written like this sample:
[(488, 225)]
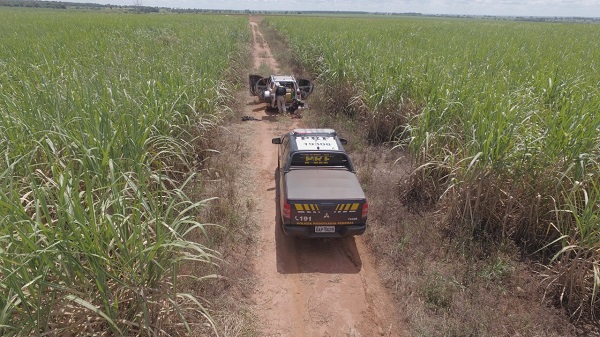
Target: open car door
[(261, 86), (305, 86), (258, 85), (252, 80)]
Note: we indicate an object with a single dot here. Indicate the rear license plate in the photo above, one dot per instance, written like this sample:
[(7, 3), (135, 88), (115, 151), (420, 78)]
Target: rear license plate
[(324, 229)]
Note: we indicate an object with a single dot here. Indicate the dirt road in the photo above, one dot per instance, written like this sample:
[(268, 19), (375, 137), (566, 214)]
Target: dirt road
[(305, 287)]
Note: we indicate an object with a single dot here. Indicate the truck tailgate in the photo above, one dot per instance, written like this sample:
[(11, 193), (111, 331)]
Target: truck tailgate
[(317, 185), (324, 198)]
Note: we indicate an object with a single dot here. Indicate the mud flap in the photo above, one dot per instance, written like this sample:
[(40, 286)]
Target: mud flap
[(306, 87)]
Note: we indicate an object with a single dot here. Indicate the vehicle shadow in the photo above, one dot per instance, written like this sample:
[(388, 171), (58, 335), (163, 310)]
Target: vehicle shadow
[(327, 256), (255, 102), (262, 106), (271, 115)]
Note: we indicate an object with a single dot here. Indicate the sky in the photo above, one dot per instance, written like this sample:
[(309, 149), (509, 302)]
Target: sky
[(582, 8)]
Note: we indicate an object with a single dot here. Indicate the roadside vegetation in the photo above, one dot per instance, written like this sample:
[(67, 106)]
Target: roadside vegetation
[(499, 121), (484, 195), (105, 122)]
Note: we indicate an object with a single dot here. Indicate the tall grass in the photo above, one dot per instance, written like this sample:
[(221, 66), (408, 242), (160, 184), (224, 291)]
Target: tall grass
[(502, 118), (101, 117)]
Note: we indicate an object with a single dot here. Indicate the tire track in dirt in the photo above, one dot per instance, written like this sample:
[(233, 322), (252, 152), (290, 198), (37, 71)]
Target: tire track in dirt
[(323, 287)]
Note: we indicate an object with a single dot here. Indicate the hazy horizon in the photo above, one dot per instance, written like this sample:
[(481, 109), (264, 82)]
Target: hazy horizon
[(563, 8)]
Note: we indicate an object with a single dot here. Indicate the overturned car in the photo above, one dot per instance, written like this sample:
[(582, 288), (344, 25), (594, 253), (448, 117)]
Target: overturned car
[(296, 89)]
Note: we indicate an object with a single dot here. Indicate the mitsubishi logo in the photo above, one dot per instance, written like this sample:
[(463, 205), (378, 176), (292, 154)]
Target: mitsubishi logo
[(326, 216)]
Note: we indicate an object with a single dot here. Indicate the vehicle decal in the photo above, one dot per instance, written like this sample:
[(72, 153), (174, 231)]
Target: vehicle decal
[(319, 159), (307, 208), (323, 223), (317, 143), (339, 208), (347, 208)]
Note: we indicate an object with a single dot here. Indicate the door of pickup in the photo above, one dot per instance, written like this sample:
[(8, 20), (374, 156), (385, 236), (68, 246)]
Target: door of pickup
[(258, 85), (306, 87)]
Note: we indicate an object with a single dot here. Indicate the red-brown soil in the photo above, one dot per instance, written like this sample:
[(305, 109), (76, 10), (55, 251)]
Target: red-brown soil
[(326, 287)]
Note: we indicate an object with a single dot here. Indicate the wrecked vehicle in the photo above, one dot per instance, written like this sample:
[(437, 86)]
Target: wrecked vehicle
[(296, 89)]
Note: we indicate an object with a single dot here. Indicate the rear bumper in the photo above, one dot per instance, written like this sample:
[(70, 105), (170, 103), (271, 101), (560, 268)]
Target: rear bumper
[(309, 231)]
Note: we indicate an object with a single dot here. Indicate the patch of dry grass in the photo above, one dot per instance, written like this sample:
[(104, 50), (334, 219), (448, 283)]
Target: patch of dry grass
[(447, 282), (232, 233), (222, 176)]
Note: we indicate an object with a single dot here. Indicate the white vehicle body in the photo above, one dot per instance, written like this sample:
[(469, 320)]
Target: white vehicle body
[(264, 88)]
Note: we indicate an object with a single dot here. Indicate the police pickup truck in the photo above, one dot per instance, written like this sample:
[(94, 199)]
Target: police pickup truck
[(319, 194)]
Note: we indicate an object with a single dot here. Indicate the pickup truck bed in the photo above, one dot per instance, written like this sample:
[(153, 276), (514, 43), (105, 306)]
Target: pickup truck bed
[(315, 184)]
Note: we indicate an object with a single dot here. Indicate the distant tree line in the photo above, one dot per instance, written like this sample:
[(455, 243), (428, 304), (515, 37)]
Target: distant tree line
[(557, 19), (75, 5), (146, 9), (37, 4)]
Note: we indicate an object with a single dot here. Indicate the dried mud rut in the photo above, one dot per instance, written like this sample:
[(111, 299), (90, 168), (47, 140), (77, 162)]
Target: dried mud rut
[(327, 287)]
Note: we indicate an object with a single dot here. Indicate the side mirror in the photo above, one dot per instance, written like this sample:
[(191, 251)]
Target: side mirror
[(276, 140), (343, 141)]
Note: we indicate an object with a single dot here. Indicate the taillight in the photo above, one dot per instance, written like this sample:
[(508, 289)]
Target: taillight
[(365, 210), (287, 210)]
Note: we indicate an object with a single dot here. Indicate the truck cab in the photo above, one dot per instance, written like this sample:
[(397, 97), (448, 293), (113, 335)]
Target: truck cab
[(319, 193)]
